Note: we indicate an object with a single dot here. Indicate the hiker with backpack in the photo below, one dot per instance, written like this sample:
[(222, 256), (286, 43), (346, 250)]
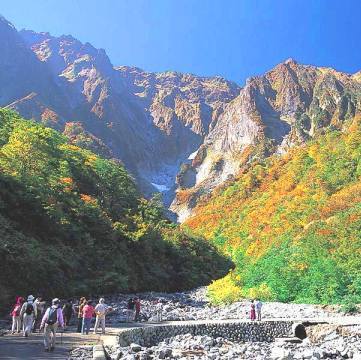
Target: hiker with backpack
[(52, 319), (28, 313), (15, 314)]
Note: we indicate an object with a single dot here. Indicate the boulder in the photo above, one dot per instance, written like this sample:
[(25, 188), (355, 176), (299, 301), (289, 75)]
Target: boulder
[(135, 347)]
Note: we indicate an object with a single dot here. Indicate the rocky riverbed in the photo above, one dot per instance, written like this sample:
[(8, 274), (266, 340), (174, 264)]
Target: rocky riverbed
[(193, 305), (329, 342), (323, 342)]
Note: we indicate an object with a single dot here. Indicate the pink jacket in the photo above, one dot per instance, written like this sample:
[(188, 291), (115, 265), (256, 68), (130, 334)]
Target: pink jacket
[(88, 311), (59, 314)]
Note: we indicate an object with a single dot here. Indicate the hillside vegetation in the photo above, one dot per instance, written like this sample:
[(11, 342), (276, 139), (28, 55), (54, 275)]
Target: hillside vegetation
[(292, 224), (72, 222)]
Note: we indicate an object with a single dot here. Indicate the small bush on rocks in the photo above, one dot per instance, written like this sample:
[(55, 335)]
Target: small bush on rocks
[(225, 290)]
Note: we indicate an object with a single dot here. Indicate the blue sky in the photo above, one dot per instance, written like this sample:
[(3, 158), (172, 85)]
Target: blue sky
[(234, 39)]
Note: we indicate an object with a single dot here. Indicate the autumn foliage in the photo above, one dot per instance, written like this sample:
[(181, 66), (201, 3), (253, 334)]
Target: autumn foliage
[(75, 223), (292, 223)]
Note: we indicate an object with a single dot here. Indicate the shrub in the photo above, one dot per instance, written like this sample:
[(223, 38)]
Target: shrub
[(225, 290), (262, 292)]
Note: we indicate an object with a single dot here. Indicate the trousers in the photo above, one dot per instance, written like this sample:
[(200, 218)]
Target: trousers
[(16, 326), (28, 324), (50, 335), (100, 320)]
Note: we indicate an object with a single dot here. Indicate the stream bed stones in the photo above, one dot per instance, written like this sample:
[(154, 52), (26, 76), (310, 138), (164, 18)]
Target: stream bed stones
[(323, 343), (334, 344), (194, 305)]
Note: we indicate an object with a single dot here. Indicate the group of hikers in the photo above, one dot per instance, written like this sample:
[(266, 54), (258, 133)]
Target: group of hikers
[(32, 315)]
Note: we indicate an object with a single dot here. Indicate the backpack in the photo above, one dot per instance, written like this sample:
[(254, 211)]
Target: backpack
[(53, 316), (29, 309)]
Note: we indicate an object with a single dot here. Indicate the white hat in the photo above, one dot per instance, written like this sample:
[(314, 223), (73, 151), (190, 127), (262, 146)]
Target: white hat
[(31, 298), (55, 301)]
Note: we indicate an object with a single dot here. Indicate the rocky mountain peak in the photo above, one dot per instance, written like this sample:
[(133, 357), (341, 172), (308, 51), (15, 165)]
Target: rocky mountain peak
[(60, 52), (178, 133)]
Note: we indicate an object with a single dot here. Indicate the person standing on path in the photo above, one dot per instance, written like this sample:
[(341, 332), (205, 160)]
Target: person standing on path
[(28, 313), (130, 310), (15, 314), (253, 311), (67, 312), (40, 308), (52, 319), (137, 309), (82, 303), (88, 312), (259, 309), (100, 311)]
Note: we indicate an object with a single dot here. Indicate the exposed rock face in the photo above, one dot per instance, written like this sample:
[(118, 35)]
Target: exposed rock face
[(285, 107), (177, 133), (183, 108)]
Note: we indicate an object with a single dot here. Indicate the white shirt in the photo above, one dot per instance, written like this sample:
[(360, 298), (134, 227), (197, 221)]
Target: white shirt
[(101, 309), (259, 305)]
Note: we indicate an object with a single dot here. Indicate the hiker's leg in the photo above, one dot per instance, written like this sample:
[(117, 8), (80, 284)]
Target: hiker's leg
[(97, 320), (103, 324), (29, 324), (17, 323), (83, 326), (28, 319), (13, 324), (88, 323), (53, 338), (47, 332), (80, 324)]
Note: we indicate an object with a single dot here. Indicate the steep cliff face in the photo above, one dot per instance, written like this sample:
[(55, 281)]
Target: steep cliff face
[(285, 107), (150, 121), (183, 108), (179, 134)]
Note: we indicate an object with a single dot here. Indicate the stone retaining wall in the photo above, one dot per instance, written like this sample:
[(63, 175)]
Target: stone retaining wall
[(234, 331)]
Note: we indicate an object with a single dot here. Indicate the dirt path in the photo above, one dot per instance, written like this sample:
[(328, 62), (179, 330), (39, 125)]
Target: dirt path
[(32, 348)]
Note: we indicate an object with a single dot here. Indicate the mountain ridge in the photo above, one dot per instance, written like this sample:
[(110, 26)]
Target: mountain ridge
[(179, 133)]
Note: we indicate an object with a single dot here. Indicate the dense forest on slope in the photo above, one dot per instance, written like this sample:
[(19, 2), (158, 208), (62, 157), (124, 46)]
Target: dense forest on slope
[(292, 224), (72, 222)]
